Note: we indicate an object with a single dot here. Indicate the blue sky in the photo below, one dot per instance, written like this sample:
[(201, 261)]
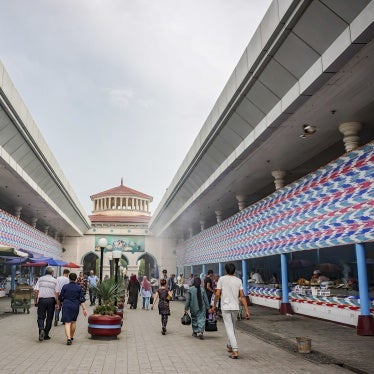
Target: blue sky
[(121, 88)]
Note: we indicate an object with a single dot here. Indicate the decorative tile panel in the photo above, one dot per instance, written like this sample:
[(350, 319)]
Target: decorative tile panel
[(332, 206), (19, 235)]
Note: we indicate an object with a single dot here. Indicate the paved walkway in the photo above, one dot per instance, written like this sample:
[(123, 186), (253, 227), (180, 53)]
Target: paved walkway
[(141, 348)]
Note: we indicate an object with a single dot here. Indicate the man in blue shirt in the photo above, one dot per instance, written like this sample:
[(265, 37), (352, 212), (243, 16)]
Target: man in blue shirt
[(92, 280)]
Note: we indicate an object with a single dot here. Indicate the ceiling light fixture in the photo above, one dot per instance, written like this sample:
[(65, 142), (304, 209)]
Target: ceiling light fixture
[(308, 130)]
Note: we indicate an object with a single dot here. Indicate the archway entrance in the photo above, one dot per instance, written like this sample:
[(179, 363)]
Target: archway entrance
[(91, 262), (147, 265)]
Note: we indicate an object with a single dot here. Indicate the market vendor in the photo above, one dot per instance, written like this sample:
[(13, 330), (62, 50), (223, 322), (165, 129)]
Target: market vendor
[(318, 278)]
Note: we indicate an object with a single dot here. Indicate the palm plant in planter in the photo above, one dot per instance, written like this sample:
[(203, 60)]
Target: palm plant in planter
[(105, 321)]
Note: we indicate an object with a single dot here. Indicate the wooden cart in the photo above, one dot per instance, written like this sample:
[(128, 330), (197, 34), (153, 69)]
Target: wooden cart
[(21, 299)]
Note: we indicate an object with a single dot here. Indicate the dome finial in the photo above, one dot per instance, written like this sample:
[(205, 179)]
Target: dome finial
[(122, 181)]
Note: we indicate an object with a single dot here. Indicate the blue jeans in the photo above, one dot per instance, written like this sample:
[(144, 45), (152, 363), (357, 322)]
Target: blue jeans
[(146, 302)]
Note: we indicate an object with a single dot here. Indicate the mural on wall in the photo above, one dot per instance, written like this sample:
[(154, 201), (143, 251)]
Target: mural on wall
[(126, 243)]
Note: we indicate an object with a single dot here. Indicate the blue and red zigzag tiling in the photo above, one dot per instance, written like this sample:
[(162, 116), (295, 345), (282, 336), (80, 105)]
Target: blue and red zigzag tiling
[(330, 207)]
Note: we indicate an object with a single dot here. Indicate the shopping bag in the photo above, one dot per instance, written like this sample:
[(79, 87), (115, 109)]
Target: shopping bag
[(186, 319), (211, 323), (151, 299)]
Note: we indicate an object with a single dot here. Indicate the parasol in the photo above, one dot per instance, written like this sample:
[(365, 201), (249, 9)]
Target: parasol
[(12, 252), (71, 265), (53, 262), (34, 264)]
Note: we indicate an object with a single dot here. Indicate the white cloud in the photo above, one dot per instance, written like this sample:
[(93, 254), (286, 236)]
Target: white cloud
[(121, 96)]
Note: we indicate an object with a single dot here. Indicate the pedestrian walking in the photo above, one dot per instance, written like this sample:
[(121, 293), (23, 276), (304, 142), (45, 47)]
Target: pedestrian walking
[(230, 288), (92, 281), (82, 281), (208, 285), (146, 291), (45, 298), (198, 304), (163, 295), (72, 298), (61, 281), (133, 289)]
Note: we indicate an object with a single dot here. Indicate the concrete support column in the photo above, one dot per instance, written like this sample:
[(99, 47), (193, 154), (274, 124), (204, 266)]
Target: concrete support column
[(285, 307), (365, 325), (204, 271), (191, 269), (241, 201), (350, 131), (17, 211), (33, 221), (218, 215), (244, 277), (278, 178)]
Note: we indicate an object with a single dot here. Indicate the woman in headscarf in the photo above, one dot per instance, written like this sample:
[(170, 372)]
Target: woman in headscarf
[(146, 291), (198, 304), (133, 289)]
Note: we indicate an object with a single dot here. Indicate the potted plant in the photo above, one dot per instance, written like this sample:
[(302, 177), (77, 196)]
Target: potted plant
[(105, 321)]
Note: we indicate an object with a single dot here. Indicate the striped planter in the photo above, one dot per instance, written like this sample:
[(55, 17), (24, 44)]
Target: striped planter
[(108, 326)]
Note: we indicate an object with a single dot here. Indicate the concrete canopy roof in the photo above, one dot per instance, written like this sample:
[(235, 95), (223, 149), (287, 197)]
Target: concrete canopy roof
[(308, 62), (30, 176)]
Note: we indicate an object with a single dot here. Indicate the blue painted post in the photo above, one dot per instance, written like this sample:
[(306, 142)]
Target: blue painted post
[(204, 269), (244, 277), (13, 278), (285, 307), (220, 269), (31, 278), (365, 324)]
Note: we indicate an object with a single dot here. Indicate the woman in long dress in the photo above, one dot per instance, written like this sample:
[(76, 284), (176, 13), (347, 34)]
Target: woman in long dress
[(73, 297), (133, 289), (198, 304)]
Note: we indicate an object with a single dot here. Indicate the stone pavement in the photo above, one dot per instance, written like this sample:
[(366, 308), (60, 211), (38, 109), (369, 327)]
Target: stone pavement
[(141, 348)]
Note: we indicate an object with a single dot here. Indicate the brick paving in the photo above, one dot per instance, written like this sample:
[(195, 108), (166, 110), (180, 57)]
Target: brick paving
[(141, 348)]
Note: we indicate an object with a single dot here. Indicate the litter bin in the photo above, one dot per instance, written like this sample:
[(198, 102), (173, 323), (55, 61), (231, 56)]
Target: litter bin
[(304, 344)]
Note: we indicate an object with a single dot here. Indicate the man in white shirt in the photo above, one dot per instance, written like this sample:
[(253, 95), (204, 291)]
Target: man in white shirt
[(45, 295), (256, 278), (230, 288), (61, 281)]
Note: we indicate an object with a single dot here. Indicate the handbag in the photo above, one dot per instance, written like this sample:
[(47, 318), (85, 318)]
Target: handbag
[(211, 323), (186, 319), (151, 299), (168, 296)]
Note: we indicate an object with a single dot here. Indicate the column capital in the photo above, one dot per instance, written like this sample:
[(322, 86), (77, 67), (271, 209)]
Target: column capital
[(241, 200), (350, 131), (278, 178)]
